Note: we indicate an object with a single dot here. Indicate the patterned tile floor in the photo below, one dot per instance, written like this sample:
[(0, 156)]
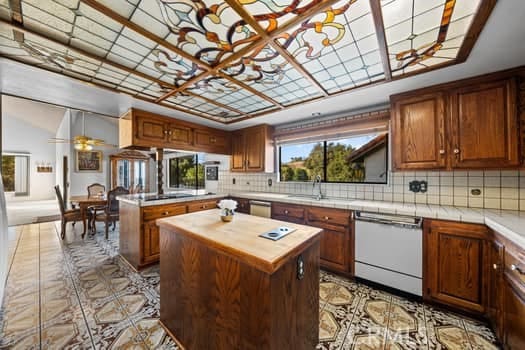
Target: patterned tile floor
[(78, 294)]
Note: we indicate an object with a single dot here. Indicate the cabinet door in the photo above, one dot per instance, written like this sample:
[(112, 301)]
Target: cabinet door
[(152, 130), (151, 246), (193, 207), (418, 129), (454, 265), (514, 315), (334, 250), (484, 123), (180, 135), (243, 205), (255, 144), (495, 293), (213, 142), (237, 158)]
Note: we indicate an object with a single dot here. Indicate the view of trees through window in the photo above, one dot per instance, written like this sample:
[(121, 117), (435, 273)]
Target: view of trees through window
[(186, 172), (356, 159)]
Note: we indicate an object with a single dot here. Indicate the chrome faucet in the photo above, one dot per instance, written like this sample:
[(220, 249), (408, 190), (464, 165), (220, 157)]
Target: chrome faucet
[(317, 179)]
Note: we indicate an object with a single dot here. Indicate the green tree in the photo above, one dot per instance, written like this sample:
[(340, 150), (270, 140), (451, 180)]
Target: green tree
[(300, 174), (287, 173), (315, 161), (8, 173), (338, 168)]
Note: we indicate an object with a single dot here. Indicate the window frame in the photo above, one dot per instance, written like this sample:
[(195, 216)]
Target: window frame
[(325, 162), (178, 180), (27, 193)]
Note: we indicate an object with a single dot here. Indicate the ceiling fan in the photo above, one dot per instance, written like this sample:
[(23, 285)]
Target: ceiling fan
[(82, 142)]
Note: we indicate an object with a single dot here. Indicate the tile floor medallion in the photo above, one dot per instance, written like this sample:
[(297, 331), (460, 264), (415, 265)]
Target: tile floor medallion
[(79, 294)]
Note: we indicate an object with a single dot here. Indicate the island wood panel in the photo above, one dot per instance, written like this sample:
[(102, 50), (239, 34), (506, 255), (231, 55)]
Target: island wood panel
[(130, 227), (418, 132), (485, 125), (212, 300), (455, 270)]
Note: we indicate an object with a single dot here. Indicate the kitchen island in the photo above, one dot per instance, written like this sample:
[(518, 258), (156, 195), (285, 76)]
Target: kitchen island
[(222, 286), (139, 234)]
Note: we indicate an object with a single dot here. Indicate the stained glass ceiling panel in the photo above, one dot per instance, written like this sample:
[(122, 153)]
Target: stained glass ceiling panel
[(199, 105), (422, 34), (271, 74), (5, 10), (208, 30), (338, 47)]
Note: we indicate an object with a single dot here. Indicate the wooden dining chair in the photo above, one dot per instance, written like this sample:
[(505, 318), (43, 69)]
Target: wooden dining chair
[(71, 215), (95, 189), (110, 214)]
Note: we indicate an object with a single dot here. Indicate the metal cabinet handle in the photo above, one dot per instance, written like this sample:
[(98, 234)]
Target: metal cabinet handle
[(326, 218), (166, 132), (286, 212), (495, 266), (517, 268), (165, 213), (213, 139), (441, 151), (456, 150)]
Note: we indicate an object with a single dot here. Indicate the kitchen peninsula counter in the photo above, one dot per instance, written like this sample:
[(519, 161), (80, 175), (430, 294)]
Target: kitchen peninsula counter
[(223, 286)]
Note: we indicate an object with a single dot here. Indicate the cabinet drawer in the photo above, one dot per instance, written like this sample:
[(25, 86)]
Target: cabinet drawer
[(327, 216), (205, 205), (152, 213), (515, 266), (287, 211)]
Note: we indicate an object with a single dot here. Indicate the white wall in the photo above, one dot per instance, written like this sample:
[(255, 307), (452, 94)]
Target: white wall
[(213, 186), (62, 149), (3, 242), (20, 136), (98, 127)]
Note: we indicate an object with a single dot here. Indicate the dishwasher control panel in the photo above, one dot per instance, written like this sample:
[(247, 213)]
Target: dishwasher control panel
[(277, 233)]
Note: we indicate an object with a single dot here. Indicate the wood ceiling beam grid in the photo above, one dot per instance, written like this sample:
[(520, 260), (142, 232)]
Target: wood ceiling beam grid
[(16, 11), (377, 15), (136, 28), (254, 45), (19, 31), (478, 23), (270, 40), (218, 104)]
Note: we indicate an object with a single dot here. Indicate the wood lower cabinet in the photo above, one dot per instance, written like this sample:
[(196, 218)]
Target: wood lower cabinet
[(514, 314), (202, 205), (496, 267), (243, 205), (337, 252), (455, 271), (288, 212), (418, 132)]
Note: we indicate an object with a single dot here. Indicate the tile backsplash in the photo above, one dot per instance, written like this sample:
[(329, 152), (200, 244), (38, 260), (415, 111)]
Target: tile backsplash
[(503, 189)]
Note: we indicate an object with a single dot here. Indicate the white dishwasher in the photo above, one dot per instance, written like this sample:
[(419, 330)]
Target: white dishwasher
[(389, 250)]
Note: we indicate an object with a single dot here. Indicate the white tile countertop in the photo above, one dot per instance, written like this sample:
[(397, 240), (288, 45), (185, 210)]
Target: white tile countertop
[(510, 224)]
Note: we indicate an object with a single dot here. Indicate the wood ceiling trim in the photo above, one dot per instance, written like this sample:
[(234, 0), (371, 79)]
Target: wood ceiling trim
[(480, 19), (269, 39), (377, 15), (127, 23), (16, 11)]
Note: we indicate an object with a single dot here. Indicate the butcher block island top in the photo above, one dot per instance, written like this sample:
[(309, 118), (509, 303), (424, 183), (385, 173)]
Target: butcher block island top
[(241, 239), (222, 286)]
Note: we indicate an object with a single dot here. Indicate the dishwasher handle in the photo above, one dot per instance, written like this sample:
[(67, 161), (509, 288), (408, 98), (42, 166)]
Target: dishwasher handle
[(400, 221), (262, 204)]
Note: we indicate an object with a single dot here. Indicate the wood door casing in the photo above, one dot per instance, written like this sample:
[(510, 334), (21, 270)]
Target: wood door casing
[(418, 132), (455, 273), (485, 126)]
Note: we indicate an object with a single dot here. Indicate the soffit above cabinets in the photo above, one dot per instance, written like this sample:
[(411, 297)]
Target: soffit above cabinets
[(236, 59)]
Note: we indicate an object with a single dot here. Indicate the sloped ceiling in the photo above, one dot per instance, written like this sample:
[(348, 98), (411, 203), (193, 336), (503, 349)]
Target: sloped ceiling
[(229, 61)]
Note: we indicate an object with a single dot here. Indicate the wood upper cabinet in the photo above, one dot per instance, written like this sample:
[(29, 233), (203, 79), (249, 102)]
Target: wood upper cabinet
[(252, 149), (144, 130), (454, 269), (418, 132), (470, 124), (484, 120), (212, 140)]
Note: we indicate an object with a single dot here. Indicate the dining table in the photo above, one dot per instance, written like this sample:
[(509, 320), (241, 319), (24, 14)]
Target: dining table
[(84, 202)]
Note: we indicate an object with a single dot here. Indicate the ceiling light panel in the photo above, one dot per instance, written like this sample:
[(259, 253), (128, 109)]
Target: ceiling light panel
[(271, 74), (422, 34), (338, 47), (208, 30), (230, 94)]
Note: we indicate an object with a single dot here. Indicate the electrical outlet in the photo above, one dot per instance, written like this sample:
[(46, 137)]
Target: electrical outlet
[(418, 186)]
